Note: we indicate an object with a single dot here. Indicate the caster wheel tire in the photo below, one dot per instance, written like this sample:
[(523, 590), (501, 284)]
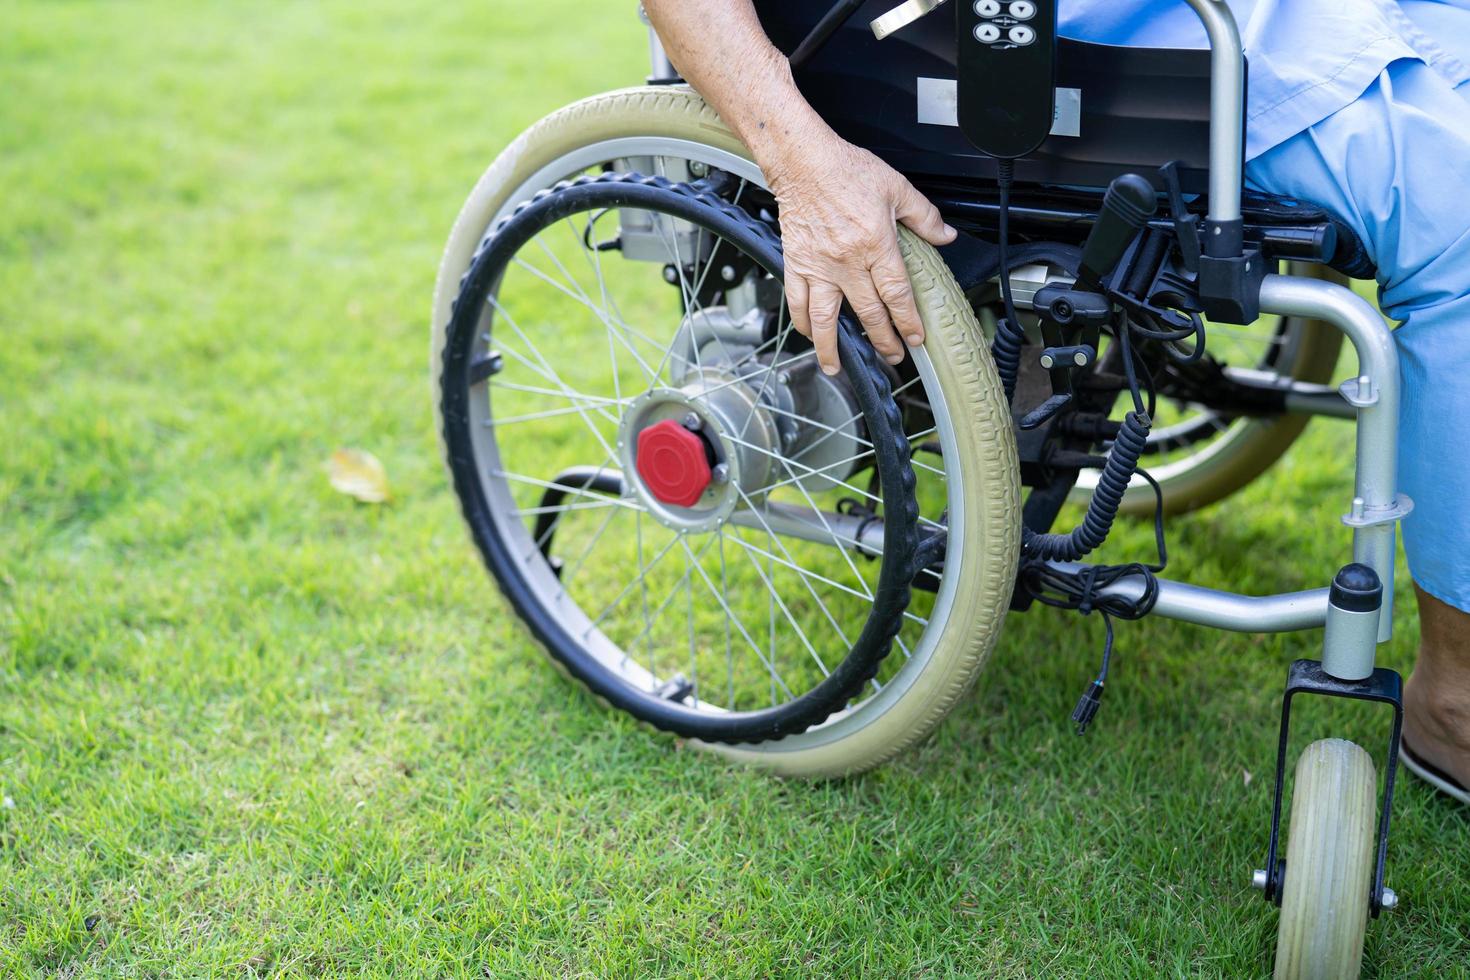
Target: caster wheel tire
[(1329, 863)]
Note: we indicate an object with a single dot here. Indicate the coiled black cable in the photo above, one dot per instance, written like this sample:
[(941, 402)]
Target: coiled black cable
[(1122, 462), (1042, 578), (1102, 510)]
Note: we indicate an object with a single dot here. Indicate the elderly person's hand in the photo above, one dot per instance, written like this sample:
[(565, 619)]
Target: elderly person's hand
[(839, 203)]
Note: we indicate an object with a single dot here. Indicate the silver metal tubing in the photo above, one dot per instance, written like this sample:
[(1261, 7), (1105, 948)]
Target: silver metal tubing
[(1223, 610), (661, 68), (1377, 505), (1227, 108), (864, 533)]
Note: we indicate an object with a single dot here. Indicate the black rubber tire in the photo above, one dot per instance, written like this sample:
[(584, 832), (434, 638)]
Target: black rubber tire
[(870, 388)]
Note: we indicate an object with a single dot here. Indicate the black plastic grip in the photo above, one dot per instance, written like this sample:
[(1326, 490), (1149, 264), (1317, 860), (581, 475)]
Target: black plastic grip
[(1128, 204)]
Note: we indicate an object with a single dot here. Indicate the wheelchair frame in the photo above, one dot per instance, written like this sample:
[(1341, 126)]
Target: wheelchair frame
[(1370, 397)]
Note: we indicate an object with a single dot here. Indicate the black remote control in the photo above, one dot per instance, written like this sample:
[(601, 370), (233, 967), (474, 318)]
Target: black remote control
[(1007, 73)]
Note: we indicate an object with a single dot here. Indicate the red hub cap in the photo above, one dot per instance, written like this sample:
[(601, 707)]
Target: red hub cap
[(672, 462)]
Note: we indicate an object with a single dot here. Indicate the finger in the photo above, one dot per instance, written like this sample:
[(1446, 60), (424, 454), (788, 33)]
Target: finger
[(891, 280), (823, 305), (863, 297), (797, 292), (915, 212)]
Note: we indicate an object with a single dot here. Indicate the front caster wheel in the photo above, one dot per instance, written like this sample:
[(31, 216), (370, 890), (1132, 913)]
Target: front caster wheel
[(1329, 863)]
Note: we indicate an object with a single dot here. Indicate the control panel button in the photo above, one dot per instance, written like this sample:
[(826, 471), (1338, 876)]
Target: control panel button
[(1021, 35), (987, 8), (987, 33), (1022, 9)]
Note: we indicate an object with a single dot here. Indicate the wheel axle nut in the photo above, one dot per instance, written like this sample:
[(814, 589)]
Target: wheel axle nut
[(1389, 899), (1258, 879), (672, 464)]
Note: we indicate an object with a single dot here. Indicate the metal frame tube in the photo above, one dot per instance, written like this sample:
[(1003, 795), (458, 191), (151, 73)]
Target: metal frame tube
[(661, 68), (863, 533), (1376, 506), (1282, 613), (1227, 108)]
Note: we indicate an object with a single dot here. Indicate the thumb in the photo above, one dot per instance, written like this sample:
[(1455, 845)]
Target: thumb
[(914, 211)]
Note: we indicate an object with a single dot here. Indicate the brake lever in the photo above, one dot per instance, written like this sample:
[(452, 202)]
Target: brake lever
[(902, 16)]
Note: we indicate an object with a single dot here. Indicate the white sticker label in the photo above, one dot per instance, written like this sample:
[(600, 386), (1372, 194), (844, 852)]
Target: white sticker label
[(938, 98)]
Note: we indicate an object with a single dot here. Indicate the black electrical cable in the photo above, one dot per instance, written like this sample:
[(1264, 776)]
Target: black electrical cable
[(837, 15), (1009, 336), (1083, 589)]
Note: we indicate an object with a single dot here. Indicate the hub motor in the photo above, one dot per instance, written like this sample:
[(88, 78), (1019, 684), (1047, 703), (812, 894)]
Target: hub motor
[(698, 451)]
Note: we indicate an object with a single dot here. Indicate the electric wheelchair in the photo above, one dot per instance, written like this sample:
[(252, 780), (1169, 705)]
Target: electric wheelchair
[(806, 572)]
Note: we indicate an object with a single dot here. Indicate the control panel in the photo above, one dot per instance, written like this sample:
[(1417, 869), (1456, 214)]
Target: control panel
[(1007, 73)]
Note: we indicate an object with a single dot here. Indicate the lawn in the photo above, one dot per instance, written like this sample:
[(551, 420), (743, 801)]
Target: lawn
[(251, 727)]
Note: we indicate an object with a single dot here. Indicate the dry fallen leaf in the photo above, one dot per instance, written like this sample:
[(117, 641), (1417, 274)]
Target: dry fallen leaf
[(357, 473)]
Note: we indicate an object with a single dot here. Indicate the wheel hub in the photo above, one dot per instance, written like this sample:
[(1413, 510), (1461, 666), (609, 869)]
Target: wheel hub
[(673, 463), (694, 451)]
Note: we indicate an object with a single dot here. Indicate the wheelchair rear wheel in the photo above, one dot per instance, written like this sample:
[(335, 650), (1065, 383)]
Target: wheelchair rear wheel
[(949, 397)]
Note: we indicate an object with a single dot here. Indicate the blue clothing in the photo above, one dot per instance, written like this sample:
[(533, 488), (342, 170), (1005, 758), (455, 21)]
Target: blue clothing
[(1308, 58), (1361, 106)]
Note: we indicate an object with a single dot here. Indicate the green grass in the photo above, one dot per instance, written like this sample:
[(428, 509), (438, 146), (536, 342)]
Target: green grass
[(248, 727)]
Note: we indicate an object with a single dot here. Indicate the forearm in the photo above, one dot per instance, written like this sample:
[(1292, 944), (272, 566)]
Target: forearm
[(837, 202), (721, 49)]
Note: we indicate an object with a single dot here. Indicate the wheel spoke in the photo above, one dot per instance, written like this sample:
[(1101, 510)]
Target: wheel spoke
[(556, 379), (734, 619)]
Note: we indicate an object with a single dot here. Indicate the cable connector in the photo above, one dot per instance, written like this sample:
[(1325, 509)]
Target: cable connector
[(1087, 706)]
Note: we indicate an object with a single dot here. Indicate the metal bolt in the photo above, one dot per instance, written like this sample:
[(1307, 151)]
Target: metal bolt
[(727, 273), (671, 275), (1365, 387), (720, 474), (1258, 879), (1388, 900), (692, 421), (1046, 361), (1079, 359), (784, 378), (1359, 508), (698, 168)]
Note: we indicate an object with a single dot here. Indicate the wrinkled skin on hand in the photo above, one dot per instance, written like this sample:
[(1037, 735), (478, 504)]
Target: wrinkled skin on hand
[(839, 205)]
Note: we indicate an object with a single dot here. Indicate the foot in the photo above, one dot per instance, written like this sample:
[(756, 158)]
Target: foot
[(1437, 724), (1437, 694)]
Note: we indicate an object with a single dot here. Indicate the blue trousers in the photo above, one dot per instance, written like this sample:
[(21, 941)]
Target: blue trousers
[(1395, 165)]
